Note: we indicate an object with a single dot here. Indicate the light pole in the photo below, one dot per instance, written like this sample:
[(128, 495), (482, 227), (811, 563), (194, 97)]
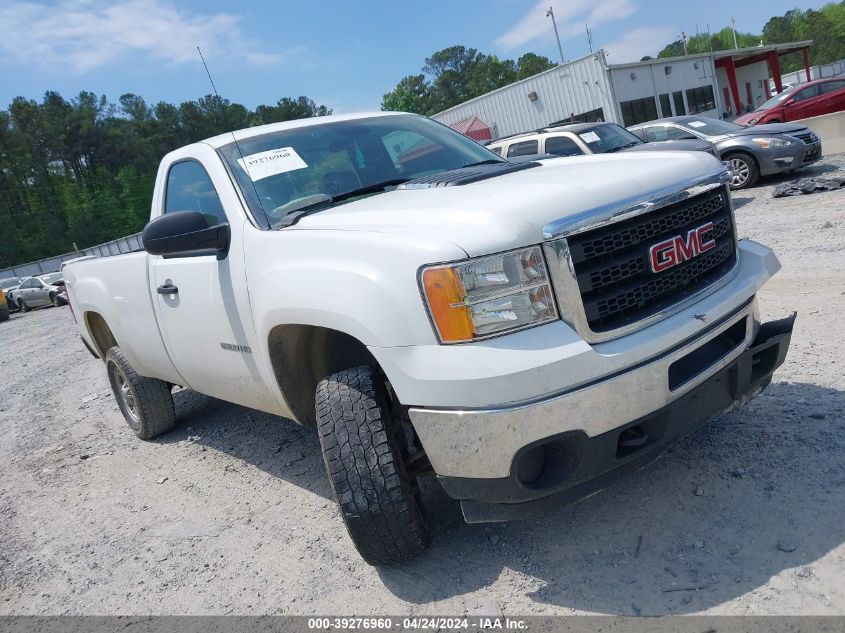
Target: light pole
[(733, 27), (551, 14)]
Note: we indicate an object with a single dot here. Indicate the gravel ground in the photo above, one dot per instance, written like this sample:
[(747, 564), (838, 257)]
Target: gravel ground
[(231, 512)]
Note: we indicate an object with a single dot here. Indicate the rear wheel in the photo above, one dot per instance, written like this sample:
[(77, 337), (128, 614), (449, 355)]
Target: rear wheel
[(146, 403), (362, 448), (54, 300), (744, 170)]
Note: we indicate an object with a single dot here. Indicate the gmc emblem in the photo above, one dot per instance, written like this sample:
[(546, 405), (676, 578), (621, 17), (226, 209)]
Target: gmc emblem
[(676, 250)]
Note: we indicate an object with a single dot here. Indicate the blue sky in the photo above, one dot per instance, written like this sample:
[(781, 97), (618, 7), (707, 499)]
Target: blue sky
[(344, 54)]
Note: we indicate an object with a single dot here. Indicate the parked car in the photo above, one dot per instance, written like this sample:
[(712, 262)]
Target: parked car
[(577, 139), (773, 89), (39, 291), (7, 285), (814, 98), (4, 306), (520, 330), (750, 152)]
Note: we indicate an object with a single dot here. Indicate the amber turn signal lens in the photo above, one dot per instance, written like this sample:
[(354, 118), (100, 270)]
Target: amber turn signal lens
[(446, 297)]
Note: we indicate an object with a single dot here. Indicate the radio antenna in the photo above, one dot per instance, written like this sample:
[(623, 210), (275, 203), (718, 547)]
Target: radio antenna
[(234, 138)]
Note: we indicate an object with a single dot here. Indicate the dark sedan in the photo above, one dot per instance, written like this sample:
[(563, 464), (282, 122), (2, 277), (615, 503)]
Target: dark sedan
[(750, 152)]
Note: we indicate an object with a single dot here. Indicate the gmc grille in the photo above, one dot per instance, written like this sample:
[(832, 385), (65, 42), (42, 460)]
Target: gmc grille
[(611, 263)]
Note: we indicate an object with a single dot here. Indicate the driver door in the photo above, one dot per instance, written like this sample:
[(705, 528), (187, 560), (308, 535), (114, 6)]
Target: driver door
[(201, 299)]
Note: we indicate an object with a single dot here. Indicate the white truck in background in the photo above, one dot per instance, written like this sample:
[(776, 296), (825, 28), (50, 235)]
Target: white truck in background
[(527, 332)]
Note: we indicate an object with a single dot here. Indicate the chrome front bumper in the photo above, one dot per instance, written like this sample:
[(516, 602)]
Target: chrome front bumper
[(482, 443)]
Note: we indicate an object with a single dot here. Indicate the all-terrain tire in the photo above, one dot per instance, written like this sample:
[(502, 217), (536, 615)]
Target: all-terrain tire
[(380, 504), (146, 403)]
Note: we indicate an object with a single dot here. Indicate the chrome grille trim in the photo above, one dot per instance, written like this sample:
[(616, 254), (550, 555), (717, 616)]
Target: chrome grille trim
[(562, 269)]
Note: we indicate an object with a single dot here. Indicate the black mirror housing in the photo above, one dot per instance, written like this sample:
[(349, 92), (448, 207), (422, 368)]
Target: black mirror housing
[(185, 234)]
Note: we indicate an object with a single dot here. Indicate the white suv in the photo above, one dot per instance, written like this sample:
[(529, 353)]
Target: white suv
[(578, 139)]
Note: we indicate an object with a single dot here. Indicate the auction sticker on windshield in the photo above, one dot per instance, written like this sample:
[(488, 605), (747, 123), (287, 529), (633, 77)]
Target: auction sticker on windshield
[(272, 162), (590, 137), (697, 124)]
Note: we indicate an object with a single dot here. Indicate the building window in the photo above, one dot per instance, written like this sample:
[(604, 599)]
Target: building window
[(701, 99), (678, 98), (665, 108), (638, 111)]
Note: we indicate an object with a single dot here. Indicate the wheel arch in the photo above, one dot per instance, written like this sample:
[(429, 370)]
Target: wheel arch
[(100, 333), (302, 355)]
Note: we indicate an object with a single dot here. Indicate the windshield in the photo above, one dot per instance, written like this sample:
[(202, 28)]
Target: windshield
[(314, 165), (776, 100), (51, 278), (607, 137), (711, 127), (9, 282)]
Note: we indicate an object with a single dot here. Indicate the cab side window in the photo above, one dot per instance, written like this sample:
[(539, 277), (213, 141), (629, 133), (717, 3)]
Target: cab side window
[(807, 93), (653, 134), (562, 146), (189, 188), (525, 148), (832, 86)]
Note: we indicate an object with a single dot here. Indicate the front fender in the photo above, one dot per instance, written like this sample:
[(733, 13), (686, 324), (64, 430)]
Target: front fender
[(359, 283)]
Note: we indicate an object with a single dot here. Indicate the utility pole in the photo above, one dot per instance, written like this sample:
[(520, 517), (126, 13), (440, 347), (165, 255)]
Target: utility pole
[(733, 26), (551, 14), (709, 39), (683, 37), (589, 37)]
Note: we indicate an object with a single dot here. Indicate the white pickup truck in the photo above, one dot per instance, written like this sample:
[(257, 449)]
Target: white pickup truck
[(527, 332)]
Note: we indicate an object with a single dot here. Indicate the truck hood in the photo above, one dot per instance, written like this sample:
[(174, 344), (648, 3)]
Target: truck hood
[(510, 211)]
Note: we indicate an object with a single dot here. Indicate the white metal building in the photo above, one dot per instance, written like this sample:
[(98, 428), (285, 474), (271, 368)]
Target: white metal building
[(716, 84)]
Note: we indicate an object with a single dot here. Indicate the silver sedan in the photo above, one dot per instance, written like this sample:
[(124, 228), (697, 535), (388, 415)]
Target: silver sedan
[(39, 291), (749, 152)]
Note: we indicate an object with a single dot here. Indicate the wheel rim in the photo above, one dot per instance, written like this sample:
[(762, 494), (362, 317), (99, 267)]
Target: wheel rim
[(740, 171), (125, 397)]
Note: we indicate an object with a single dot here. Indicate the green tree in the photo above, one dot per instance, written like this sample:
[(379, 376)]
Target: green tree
[(82, 169), (411, 94)]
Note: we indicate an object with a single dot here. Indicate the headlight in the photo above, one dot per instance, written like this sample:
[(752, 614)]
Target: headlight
[(766, 143), (489, 295)]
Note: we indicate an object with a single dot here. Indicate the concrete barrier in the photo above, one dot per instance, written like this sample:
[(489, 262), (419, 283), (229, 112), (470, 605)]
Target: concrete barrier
[(830, 128), (128, 244)]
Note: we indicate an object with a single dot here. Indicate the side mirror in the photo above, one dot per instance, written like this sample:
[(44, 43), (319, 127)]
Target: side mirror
[(185, 234)]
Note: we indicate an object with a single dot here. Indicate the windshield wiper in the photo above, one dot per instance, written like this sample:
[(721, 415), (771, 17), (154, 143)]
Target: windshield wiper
[(294, 217), (489, 161)]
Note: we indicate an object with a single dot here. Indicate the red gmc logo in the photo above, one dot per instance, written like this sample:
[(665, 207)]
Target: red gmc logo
[(676, 250)]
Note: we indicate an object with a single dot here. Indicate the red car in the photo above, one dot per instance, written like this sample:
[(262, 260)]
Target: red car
[(813, 98)]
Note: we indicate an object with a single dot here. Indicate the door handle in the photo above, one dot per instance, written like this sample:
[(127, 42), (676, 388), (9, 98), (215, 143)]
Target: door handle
[(168, 289)]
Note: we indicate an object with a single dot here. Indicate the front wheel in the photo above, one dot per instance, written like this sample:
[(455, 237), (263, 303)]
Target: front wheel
[(744, 170), (361, 445), (146, 403), (22, 306)]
